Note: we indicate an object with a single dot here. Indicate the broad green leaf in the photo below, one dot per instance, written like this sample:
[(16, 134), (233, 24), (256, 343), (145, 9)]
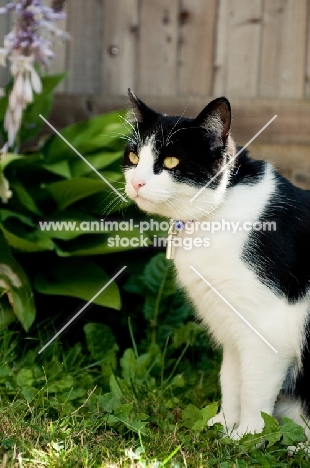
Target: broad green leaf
[(129, 365), (7, 158), (207, 413), (31, 242), (5, 372), (24, 197), (115, 388), (32, 122), (190, 415), (291, 432), (103, 132), (177, 381), (14, 284), (109, 365), (66, 192), (24, 378), (159, 283), (109, 402), (61, 168), (100, 340), (29, 393), (6, 214), (50, 82), (271, 431), (125, 415), (7, 315), (70, 277), (158, 276), (65, 383), (99, 161), (123, 411), (97, 244)]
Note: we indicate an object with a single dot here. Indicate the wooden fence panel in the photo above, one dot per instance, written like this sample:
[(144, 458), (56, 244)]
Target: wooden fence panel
[(197, 44), (238, 48), (84, 55), (119, 45), (157, 69), (282, 71), (60, 48)]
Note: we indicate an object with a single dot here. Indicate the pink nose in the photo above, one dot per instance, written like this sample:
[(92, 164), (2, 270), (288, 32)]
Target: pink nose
[(137, 184)]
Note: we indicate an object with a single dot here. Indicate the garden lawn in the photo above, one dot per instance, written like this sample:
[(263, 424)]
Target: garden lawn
[(62, 409)]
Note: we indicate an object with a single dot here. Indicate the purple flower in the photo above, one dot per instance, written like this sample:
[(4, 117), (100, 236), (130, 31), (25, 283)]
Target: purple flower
[(28, 43)]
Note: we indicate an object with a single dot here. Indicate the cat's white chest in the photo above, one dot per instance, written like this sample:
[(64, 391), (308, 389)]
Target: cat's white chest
[(219, 282), (215, 275)]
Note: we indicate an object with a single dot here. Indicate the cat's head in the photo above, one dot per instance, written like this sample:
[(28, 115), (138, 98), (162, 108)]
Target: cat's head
[(169, 159)]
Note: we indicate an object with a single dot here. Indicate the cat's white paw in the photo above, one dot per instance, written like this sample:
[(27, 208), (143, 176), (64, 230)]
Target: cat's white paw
[(250, 428), (227, 424)]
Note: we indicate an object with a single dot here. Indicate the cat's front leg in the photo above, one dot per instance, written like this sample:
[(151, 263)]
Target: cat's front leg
[(230, 390), (262, 374)]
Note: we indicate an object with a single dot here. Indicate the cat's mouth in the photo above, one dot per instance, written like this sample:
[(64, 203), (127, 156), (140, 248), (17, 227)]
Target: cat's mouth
[(142, 199)]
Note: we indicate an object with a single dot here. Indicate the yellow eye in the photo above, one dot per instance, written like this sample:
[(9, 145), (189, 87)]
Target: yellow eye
[(133, 158), (170, 162)]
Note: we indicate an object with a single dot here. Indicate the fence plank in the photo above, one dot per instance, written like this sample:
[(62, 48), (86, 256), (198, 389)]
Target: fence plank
[(84, 56), (158, 47), (120, 28), (282, 71), (60, 48), (195, 64), (238, 48)]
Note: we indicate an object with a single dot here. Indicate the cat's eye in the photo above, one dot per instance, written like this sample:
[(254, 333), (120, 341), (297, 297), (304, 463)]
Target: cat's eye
[(133, 158), (170, 162)]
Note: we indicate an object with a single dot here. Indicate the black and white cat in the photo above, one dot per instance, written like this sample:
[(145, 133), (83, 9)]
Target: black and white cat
[(262, 275)]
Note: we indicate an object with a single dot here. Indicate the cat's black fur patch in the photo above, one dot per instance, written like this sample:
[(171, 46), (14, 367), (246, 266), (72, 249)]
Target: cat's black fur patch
[(301, 388), (281, 258), (247, 170)]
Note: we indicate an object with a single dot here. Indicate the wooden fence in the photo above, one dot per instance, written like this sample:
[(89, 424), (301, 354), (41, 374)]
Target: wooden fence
[(240, 48), (178, 54)]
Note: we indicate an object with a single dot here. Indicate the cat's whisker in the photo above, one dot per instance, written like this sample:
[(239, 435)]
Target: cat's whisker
[(134, 129), (171, 134), (111, 205)]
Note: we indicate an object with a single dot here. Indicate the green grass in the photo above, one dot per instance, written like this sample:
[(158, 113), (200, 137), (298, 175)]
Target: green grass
[(63, 409), (135, 393)]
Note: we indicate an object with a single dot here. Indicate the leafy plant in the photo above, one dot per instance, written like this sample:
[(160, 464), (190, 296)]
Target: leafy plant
[(50, 183)]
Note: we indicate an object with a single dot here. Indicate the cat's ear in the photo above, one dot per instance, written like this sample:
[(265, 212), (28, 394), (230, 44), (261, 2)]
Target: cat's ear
[(216, 118), (140, 112)]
